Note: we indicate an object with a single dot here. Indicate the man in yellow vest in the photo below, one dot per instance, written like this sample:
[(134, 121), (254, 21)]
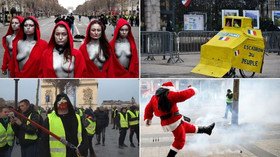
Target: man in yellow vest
[(27, 134), (133, 121), (90, 125), (123, 125), (6, 133), (66, 124), (114, 117), (229, 101)]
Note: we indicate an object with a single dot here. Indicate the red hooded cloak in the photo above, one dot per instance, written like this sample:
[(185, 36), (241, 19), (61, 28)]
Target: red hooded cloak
[(30, 68), (46, 67), (119, 70), (92, 70), (7, 57)]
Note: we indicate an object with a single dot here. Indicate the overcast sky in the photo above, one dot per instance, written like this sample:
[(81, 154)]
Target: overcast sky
[(70, 3), (108, 89)]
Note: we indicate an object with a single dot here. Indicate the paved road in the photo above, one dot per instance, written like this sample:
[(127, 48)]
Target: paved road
[(110, 149), (47, 24), (161, 69), (254, 139)]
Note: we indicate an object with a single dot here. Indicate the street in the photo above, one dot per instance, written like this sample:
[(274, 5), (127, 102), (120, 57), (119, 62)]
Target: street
[(248, 139), (46, 28), (159, 68), (110, 149)]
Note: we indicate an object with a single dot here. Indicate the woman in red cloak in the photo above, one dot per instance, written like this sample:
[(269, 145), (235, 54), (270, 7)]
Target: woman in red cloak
[(61, 59), (97, 51), (125, 56), (7, 42), (27, 50)]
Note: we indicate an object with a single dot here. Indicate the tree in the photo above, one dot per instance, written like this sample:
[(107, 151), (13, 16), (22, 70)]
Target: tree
[(2, 101)]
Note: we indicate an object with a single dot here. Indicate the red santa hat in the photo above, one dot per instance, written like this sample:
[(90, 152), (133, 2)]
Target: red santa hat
[(168, 85)]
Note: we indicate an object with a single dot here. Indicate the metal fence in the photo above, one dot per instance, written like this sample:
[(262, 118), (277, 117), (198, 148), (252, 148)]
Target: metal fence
[(272, 41), (157, 44), (164, 43)]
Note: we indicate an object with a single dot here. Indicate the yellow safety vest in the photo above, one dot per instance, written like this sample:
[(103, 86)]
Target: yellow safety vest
[(115, 113), (123, 120), (228, 100), (134, 118), (91, 127), (30, 136), (81, 112), (6, 136), (57, 149)]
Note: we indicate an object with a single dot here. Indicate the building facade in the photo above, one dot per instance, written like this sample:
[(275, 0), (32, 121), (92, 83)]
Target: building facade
[(85, 94)]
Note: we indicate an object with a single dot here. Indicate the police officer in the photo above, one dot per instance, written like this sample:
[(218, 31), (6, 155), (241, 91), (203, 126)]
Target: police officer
[(133, 121)]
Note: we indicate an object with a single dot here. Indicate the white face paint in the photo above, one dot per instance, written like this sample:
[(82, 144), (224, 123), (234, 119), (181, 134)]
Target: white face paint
[(61, 35), (15, 24), (95, 31), (124, 31), (29, 27)]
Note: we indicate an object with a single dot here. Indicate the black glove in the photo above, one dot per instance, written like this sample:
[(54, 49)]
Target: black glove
[(187, 119)]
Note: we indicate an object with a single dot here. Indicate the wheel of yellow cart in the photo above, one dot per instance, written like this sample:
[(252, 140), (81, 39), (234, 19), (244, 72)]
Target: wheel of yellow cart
[(230, 74), (246, 74)]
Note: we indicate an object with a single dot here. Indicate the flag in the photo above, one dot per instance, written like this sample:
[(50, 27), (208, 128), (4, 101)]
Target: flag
[(224, 38), (251, 32), (186, 3)]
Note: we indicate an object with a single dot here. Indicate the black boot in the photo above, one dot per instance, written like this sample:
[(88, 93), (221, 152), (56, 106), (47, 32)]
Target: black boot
[(206, 129), (171, 153)]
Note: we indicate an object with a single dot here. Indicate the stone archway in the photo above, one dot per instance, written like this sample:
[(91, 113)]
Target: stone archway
[(86, 94)]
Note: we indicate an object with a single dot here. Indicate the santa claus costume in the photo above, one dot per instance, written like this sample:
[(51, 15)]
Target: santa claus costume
[(133, 68), (105, 51), (47, 61), (30, 68), (164, 105), (7, 55)]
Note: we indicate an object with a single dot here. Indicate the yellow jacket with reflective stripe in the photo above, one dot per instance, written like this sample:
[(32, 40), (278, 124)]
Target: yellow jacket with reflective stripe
[(91, 127), (123, 120), (6, 136), (133, 118), (30, 136), (57, 149)]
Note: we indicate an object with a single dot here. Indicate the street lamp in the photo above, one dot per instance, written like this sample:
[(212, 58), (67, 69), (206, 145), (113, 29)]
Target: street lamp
[(16, 92)]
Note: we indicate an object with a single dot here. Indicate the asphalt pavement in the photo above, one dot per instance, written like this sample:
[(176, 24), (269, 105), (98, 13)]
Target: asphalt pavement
[(160, 68)]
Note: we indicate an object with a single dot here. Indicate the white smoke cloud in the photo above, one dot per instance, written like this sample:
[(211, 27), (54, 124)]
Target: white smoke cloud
[(259, 107)]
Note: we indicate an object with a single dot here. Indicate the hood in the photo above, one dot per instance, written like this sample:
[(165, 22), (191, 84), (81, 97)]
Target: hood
[(105, 46), (70, 38), (10, 30), (121, 22), (87, 39), (20, 34), (70, 106)]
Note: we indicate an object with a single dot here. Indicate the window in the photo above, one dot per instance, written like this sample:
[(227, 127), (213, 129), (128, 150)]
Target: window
[(277, 3)]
